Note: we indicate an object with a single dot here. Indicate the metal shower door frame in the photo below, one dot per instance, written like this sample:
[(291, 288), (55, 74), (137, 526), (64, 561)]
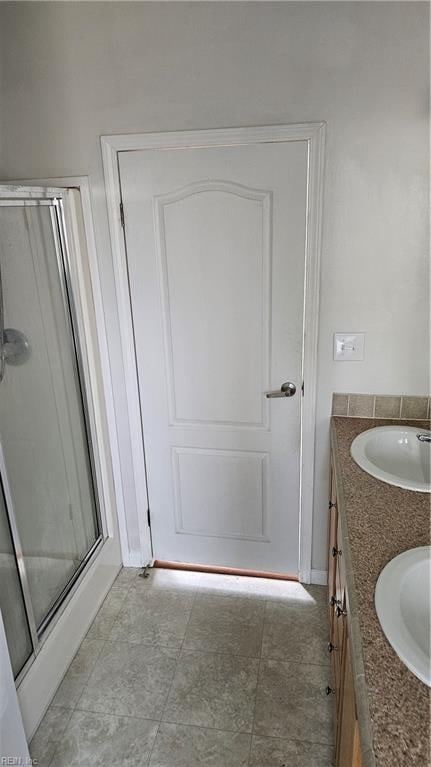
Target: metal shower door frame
[(53, 198)]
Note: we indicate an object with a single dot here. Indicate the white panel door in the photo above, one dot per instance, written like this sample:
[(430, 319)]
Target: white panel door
[(215, 240)]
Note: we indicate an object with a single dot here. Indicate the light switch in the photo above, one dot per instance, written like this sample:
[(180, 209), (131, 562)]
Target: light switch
[(349, 346)]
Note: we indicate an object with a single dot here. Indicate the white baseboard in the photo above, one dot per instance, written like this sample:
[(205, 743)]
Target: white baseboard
[(135, 559), (319, 577)]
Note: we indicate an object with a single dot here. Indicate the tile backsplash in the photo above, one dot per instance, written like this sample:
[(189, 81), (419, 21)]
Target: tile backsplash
[(381, 406)]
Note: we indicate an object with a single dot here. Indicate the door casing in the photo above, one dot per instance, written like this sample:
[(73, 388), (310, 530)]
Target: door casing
[(314, 135)]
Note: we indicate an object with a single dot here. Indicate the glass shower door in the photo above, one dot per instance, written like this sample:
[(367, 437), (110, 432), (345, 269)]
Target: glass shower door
[(44, 430), (11, 596)]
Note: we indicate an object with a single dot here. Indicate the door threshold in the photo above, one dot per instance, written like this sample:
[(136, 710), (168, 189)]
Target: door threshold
[(168, 565)]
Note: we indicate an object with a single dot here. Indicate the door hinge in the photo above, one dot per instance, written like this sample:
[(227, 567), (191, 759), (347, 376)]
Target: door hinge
[(122, 215), (148, 517), (302, 388)]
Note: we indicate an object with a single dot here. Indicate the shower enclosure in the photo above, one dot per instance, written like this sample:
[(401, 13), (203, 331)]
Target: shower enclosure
[(50, 523)]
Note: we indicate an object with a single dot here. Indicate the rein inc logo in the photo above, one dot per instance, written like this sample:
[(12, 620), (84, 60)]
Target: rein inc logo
[(18, 760)]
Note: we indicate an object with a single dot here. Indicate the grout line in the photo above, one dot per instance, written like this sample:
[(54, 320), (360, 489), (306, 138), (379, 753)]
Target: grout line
[(296, 660), (243, 596), (177, 660), (55, 742), (206, 727), (227, 654), (154, 743), (188, 621), (51, 761), (104, 641), (198, 726), (297, 740), (257, 683), (117, 715), (173, 649)]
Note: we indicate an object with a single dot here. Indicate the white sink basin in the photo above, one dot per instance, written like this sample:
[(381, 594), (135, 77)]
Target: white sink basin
[(395, 455), (402, 601)]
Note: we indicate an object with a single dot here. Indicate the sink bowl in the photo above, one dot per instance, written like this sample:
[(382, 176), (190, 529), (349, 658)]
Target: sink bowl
[(395, 455), (402, 600)]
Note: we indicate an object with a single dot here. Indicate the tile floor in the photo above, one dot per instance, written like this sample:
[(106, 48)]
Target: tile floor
[(189, 669)]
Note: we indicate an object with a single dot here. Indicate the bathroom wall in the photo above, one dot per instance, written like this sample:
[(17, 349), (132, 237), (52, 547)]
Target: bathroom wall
[(74, 71)]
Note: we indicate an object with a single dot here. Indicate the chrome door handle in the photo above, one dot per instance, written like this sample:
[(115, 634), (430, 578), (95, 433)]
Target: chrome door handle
[(287, 389)]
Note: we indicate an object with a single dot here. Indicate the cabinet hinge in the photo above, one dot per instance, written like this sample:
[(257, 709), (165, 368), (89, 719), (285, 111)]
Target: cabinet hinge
[(148, 517), (122, 214)]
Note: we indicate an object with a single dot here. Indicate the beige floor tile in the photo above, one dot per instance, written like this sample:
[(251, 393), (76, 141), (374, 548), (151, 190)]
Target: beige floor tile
[(130, 670), (211, 690), (126, 577), (47, 735), (105, 618), (184, 746), (78, 673), (130, 680), (154, 616), (102, 740), (296, 631), (225, 624), (292, 702)]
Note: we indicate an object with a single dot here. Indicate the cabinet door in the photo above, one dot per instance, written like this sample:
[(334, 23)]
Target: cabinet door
[(348, 751), (340, 583), (335, 643), (332, 545)]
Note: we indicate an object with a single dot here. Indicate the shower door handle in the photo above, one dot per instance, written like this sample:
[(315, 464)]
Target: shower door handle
[(14, 345)]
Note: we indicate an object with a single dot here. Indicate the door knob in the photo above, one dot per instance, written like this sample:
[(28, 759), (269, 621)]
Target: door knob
[(287, 389)]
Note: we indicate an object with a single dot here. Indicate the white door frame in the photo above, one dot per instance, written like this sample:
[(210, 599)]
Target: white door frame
[(314, 135)]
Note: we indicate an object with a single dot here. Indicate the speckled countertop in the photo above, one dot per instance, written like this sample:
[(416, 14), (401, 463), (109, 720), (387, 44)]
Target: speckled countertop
[(378, 522)]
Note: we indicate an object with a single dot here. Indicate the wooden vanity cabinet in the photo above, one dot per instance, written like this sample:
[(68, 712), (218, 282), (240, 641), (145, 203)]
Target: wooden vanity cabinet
[(347, 746)]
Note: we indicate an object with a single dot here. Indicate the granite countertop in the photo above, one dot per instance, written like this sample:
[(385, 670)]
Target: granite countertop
[(378, 522)]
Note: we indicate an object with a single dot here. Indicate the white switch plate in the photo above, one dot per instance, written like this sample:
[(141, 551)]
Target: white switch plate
[(349, 346)]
